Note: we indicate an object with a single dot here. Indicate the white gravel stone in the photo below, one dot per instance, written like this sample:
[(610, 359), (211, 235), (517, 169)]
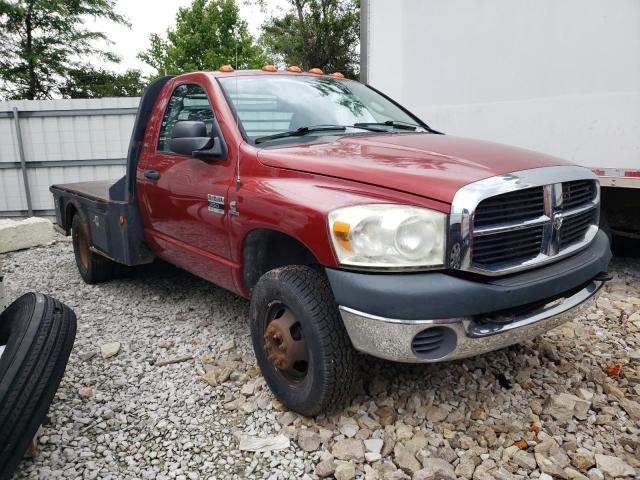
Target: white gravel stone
[(595, 474), (110, 349), (614, 467), (308, 441), (348, 449), (372, 456), (325, 468), (373, 445), (524, 459), (263, 444), (345, 471)]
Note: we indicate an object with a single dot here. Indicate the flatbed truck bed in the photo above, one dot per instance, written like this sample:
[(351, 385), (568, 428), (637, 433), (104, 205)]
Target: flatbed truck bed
[(113, 224), (96, 190)]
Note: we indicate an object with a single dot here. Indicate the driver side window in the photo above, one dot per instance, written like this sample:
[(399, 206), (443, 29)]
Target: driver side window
[(188, 102)]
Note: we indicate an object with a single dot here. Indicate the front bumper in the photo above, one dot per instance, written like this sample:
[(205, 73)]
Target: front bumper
[(433, 317), (456, 338)]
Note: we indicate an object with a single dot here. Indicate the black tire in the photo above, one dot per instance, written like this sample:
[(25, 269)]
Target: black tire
[(331, 359), (38, 332), (93, 268)]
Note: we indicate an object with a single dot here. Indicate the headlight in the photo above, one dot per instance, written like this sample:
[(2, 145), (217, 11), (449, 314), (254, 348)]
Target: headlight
[(388, 236)]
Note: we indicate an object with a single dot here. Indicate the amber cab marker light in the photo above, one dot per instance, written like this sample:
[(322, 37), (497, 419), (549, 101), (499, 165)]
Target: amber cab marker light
[(269, 68), (337, 74), (317, 71), (121, 219), (294, 69), (226, 68), (341, 233)]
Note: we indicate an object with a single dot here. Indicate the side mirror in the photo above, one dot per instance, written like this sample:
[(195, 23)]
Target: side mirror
[(190, 138)]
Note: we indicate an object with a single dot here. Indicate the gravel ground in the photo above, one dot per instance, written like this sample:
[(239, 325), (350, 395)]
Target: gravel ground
[(541, 410)]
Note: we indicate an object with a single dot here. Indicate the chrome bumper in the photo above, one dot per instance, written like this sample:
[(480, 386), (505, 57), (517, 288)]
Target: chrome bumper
[(393, 339)]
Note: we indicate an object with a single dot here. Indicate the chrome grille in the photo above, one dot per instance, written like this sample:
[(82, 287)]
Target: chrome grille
[(520, 220), (518, 205), (574, 228), (508, 246), (577, 193)]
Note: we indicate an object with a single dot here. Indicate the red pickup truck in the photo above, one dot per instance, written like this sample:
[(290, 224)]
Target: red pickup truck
[(349, 223)]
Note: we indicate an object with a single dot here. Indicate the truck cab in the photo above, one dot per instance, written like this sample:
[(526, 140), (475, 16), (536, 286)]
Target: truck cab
[(349, 223)]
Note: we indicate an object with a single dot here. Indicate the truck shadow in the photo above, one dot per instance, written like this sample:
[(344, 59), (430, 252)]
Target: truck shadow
[(517, 378)]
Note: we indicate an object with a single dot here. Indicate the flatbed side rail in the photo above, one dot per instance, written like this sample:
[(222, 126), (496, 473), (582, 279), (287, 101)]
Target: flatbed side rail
[(114, 228)]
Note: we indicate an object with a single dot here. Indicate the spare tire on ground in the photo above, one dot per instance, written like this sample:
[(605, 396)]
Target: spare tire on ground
[(38, 334)]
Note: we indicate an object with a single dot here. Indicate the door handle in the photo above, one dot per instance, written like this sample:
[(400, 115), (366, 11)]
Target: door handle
[(152, 174)]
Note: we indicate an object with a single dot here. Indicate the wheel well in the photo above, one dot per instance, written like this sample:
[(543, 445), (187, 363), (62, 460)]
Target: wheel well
[(266, 249), (69, 211)]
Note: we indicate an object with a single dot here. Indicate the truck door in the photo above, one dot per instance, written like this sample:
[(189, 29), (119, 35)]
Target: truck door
[(184, 198)]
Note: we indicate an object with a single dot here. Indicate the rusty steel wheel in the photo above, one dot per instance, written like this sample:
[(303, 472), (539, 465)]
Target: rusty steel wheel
[(299, 340), (83, 246), (93, 268), (284, 343)]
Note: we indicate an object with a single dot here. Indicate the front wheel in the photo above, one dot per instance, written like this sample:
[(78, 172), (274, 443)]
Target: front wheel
[(299, 340)]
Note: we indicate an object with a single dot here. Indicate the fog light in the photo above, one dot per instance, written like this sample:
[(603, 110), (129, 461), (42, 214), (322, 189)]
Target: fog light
[(434, 343)]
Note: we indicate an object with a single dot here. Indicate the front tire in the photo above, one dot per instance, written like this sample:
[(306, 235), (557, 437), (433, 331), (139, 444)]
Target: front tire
[(299, 340)]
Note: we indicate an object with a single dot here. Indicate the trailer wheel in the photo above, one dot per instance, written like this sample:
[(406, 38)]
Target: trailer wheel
[(38, 333), (299, 340), (93, 268)]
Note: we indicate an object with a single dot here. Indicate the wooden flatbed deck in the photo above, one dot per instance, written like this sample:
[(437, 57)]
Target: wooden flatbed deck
[(97, 190)]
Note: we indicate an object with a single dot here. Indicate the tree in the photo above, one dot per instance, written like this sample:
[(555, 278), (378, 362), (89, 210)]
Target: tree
[(98, 83), (208, 34), (315, 33), (43, 41)]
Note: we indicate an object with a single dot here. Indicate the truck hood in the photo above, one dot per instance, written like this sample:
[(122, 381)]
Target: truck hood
[(432, 166)]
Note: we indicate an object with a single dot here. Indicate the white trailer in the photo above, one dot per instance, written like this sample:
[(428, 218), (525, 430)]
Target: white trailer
[(558, 77)]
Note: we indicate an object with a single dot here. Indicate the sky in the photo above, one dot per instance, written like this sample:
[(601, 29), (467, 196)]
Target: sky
[(155, 16)]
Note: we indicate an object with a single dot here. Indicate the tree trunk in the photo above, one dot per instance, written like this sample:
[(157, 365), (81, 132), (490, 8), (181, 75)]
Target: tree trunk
[(31, 67), (303, 33)]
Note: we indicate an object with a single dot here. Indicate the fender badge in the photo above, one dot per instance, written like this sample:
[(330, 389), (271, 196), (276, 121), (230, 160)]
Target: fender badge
[(233, 208), (215, 203)]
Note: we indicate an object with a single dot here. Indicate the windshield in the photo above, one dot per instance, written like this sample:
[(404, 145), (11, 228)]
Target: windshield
[(268, 105)]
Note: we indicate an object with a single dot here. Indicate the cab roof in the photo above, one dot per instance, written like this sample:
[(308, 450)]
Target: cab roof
[(244, 73)]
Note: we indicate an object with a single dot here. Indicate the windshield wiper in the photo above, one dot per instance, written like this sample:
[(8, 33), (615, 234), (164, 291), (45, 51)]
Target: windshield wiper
[(400, 125), (301, 132)]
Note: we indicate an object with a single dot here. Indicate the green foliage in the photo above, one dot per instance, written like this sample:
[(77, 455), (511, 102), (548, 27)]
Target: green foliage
[(98, 83), (315, 33), (204, 38), (42, 42)]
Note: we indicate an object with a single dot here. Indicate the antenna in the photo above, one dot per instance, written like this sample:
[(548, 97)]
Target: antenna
[(237, 113)]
